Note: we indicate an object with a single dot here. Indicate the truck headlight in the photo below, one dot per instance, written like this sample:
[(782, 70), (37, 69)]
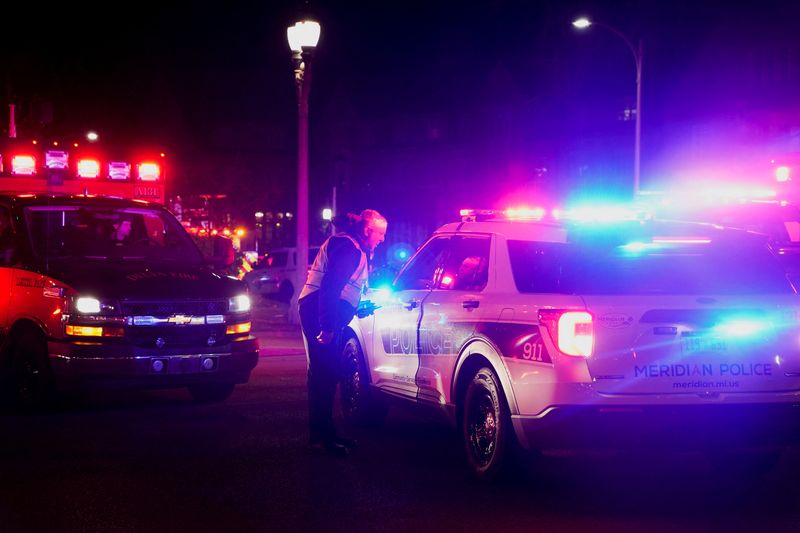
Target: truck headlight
[(89, 305), (239, 304)]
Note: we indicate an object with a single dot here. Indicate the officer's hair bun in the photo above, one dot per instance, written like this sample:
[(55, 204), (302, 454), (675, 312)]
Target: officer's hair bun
[(346, 222)]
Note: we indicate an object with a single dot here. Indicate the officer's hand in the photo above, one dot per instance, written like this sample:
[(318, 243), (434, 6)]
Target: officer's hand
[(325, 337)]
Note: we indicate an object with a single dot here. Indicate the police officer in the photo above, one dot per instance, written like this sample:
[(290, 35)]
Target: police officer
[(327, 303)]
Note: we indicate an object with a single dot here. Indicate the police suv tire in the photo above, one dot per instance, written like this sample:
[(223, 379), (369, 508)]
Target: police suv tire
[(357, 402), (211, 392), (486, 426), (31, 378)]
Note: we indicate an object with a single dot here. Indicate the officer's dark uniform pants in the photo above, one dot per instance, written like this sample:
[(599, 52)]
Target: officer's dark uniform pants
[(324, 370)]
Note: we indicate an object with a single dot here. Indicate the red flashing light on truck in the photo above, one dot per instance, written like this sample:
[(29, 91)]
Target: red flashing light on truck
[(38, 167)]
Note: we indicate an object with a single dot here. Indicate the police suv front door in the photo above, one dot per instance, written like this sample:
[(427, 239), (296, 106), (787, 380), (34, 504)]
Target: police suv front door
[(450, 313), (394, 357)]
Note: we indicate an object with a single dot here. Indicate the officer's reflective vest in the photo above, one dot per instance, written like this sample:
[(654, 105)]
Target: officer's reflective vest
[(351, 293)]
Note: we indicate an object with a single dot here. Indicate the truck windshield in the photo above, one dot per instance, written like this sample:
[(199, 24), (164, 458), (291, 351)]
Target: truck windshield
[(106, 233)]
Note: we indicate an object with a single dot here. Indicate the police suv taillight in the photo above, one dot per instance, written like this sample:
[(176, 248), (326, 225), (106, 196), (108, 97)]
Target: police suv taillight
[(571, 331)]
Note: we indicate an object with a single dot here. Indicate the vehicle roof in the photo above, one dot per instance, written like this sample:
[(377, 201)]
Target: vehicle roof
[(36, 199)]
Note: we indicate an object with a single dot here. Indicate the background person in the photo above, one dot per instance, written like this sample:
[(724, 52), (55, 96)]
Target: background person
[(328, 301)]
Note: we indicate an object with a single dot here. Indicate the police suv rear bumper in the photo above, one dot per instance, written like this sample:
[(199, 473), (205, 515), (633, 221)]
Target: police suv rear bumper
[(661, 426), (99, 365)]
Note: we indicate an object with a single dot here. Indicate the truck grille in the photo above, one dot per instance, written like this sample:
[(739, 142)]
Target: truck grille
[(165, 309)]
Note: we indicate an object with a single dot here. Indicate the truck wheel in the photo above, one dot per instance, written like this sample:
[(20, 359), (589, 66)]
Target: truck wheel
[(32, 380), (486, 425), (358, 404), (285, 292), (211, 392)]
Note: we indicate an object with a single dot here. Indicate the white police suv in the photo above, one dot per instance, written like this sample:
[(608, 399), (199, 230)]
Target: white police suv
[(545, 332)]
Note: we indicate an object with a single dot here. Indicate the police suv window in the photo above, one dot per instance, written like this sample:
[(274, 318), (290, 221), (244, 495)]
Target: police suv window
[(467, 265), (422, 271)]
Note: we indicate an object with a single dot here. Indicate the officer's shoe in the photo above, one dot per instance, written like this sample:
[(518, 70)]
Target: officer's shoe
[(330, 447)]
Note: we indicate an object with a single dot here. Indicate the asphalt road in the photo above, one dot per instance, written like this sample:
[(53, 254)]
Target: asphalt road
[(155, 461)]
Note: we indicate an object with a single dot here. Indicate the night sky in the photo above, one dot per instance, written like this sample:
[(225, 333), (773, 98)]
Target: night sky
[(213, 83)]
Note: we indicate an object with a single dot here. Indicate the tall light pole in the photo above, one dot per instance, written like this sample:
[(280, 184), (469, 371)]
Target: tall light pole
[(582, 24), (303, 38)]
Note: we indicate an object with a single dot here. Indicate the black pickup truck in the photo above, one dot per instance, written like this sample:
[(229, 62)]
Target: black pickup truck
[(110, 292)]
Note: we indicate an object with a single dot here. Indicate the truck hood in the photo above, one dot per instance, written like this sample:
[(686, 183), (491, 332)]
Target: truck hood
[(140, 281)]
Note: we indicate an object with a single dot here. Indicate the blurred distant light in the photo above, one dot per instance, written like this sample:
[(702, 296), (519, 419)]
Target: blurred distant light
[(582, 23), (91, 136), (783, 174), (327, 213)]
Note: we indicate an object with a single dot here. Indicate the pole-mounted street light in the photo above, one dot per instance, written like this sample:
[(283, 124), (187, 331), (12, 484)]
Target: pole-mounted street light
[(582, 24), (303, 38)]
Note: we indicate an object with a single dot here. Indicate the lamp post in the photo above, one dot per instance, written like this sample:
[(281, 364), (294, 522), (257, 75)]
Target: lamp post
[(582, 24), (303, 38)]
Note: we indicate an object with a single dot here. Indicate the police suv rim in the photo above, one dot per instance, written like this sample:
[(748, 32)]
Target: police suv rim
[(482, 428), (351, 384)]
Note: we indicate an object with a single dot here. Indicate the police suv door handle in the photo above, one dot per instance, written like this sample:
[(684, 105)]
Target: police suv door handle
[(470, 304), (411, 304)]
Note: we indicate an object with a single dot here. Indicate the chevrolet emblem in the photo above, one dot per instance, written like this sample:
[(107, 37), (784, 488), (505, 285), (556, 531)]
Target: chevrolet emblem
[(179, 319)]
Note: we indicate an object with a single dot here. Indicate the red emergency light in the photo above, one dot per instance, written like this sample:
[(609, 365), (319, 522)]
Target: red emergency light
[(23, 165), (88, 168), (119, 170), (56, 159), (149, 171)]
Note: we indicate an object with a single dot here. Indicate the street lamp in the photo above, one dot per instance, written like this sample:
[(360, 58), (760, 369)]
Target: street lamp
[(303, 38), (584, 23)]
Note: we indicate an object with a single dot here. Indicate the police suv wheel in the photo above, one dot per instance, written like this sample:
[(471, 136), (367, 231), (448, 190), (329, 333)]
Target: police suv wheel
[(211, 392), (358, 405), (486, 425), (32, 380)]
